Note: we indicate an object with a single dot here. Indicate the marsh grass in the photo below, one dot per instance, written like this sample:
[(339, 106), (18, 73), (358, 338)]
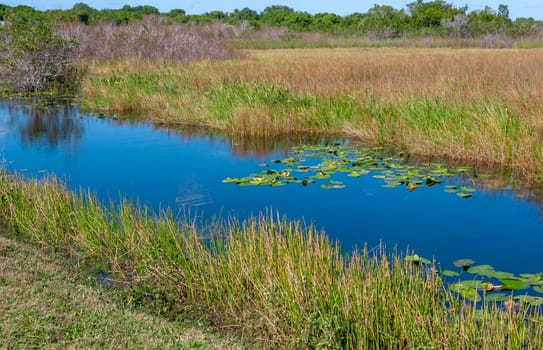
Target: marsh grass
[(470, 105), (276, 282)]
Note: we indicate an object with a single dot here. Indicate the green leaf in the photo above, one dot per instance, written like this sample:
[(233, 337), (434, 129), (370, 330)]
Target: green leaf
[(471, 284), (464, 195), (463, 169), (321, 175), (449, 273), (530, 276), (497, 297), (463, 263), (513, 284), (500, 274), (529, 299), (467, 189), (332, 187), (539, 289), (470, 294), (484, 270), (334, 182)]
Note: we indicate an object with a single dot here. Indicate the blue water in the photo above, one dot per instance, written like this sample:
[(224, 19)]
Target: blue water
[(184, 170)]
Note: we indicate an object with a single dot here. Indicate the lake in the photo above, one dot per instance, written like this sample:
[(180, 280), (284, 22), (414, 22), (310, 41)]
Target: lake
[(184, 170)]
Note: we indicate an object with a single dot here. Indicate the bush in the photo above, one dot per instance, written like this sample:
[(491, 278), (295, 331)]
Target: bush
[(33, 57), (152, 38)]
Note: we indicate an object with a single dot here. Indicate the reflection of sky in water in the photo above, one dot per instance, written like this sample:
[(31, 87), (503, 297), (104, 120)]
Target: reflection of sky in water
[(160, 167)]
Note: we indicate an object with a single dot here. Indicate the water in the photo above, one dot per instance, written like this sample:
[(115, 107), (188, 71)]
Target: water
[(184, 170)]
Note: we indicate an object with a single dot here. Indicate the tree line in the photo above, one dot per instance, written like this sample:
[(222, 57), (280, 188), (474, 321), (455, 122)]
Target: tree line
[(418, 18)]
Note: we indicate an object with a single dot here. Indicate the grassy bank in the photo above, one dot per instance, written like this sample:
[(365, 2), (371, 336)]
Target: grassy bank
[(277, 283), (471, 105), (47, 303)]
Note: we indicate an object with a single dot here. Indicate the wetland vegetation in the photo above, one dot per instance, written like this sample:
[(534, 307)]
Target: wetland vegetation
[(277, 282), (280, 283), (471, 105)]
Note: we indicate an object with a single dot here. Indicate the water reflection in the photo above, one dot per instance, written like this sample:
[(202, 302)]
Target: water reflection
[(48, 123), (249, 147), (44, 122)]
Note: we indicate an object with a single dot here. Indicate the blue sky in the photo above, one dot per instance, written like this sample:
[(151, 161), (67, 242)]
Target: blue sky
[(517, 8)]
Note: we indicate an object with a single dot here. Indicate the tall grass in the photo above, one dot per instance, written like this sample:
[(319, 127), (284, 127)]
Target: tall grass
[(279, 283), (472, 105)]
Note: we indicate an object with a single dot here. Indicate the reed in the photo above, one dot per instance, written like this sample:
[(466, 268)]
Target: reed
[(277, 282)]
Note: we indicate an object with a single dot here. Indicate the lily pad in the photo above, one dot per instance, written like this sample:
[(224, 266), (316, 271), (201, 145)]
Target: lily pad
[(539, 289), (463, 263), (497, 297), (484, 270), (502, 275), (467, 189), (449, 273), (322, 175), (529, 299), (337, 159), (470, 294), (513, 284), (332, 186), (471, 284)]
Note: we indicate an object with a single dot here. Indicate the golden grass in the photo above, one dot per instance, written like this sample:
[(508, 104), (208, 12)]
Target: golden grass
[(476, 105), (393, 74)]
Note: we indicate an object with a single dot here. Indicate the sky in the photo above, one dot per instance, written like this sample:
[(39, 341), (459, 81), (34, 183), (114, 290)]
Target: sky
[(517, 8)]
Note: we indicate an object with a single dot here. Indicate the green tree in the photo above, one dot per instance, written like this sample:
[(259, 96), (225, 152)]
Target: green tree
[(432, 14), (327, 22), (487, 21), (384, 22), (244, 15), (84, 12), (276, 15)]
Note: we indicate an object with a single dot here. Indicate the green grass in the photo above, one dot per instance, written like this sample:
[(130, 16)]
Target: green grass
[(275, 282), (47, 303)]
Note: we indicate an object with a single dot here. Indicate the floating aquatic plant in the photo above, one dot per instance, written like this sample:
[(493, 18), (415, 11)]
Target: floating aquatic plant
[(308, 164), (494, 286)]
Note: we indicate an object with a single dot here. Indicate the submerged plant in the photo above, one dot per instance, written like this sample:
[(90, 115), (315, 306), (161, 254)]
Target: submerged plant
[(309, 164)]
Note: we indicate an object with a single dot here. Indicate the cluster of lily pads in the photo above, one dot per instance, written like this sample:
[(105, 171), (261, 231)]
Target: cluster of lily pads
[(483, 282), (309, 164)]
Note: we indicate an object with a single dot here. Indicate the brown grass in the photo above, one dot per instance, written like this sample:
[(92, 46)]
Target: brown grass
[(462, 75)]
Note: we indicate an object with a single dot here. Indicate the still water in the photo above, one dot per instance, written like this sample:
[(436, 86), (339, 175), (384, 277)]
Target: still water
[(183, 169)]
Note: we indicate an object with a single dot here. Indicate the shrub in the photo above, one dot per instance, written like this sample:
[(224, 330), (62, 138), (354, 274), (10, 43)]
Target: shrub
[(33, 57), (151, 38)]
